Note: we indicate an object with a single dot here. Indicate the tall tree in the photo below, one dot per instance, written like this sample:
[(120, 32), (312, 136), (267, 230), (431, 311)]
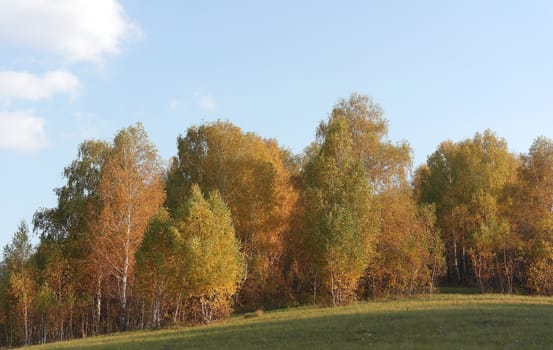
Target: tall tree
[(131, 192), (251, 175), (64, 252), (352, 144), (340, 223)]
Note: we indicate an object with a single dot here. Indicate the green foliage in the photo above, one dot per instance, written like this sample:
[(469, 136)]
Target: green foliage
[(340, 222), (158, 280), (18, 253), (68, 223), (210, 241), (64, 259)]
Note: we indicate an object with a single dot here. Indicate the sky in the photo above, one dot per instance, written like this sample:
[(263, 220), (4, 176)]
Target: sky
[(72, 70)]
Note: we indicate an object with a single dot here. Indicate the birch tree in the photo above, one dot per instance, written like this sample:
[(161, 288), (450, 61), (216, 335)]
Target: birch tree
[(131, 192), (467, 181), (212, 262), (340, 223), (21, 285), (532, 213)]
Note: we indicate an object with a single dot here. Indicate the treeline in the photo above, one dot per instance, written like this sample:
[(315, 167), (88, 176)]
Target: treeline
[(495, 212), (237, 222)]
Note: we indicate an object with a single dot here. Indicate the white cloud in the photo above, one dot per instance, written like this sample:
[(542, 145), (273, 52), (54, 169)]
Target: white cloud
[(207, 103), (24, 85), (22, 131), (76, 30)]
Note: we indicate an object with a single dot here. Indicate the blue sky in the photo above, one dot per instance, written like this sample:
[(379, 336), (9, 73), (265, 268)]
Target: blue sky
[(77, 69)]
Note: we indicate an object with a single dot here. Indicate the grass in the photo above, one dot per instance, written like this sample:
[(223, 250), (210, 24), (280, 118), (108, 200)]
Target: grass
[(445, 321)]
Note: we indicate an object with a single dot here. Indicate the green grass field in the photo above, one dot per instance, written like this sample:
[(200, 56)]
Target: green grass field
[(442, 321)]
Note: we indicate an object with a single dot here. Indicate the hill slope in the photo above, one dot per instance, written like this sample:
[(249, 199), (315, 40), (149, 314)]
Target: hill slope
[(442, 321)]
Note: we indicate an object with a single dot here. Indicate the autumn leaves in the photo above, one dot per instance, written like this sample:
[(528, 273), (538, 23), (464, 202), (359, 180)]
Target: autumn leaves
[(235, 221)]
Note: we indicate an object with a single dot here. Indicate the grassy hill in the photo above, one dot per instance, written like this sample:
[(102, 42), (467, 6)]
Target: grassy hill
[(446, 321)]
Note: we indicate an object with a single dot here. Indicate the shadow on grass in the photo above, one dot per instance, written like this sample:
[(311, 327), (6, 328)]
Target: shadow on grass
[(495, 326)]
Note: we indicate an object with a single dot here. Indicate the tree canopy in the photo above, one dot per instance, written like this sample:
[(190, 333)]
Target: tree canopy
[(237, 222)]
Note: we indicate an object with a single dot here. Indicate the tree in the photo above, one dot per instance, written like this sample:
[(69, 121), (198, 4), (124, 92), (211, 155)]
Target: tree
[(44, 302), (157, 268), (192, 258), (5, 324), (251, 175), (18, 253), (467, 183), (409, 252), (64, 252), (21, 289), (386, 164), (20, 283), (77, 199), (213, 264), (532, 213), (131, 193), (351, 153), (426, 215), (340, 227)]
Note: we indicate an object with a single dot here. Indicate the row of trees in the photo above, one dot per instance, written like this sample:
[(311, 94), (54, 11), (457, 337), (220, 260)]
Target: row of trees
[(495, 212), (236, 221)]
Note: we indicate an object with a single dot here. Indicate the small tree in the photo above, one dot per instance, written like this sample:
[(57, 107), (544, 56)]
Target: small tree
[(409, 252), (44, 303), (212, 264), (156, 267), (21, 286)]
